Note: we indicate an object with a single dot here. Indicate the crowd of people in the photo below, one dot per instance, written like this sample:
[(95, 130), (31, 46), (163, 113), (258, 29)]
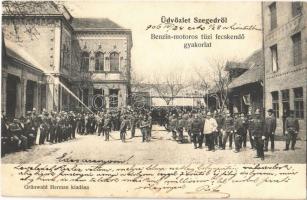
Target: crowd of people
[(102, 123), (20, 134), (196, 126), (217, 128), (34, 128)]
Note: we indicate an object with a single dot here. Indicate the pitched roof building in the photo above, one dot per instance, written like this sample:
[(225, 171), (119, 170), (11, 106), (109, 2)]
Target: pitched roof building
[(246, 90)]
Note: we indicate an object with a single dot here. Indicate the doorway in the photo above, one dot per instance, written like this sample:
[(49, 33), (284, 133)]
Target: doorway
[(11, 95), (30, 95)]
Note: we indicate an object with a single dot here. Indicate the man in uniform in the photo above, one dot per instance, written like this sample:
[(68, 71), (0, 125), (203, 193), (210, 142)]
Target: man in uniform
[(123, 128), (181, 123), (257, 131), (132, 119), (16, 132), (249, 122), (291, 130), (150, 125), (239, 132), (29, 129), (73, 124), (270, 127), (60, 128), (107, 126), (44, 127), (196, 130), (83, 123), (227, 130), (173, 126), (78, 121), (220, 123), (188, 126), (144, 126), (245, 124), (52, 131)]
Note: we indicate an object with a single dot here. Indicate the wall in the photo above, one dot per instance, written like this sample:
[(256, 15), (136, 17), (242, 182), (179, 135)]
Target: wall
[(288, 76), (40, 43), (106, 43)]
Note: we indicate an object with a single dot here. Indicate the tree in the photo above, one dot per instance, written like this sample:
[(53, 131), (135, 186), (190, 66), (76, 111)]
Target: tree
[(221, 82), (168, 86), (202, 82)]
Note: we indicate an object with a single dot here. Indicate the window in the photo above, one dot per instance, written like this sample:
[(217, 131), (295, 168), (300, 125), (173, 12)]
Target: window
[(99, 61), (113, 98), (275, 103), (273, 12), (285, 98), (85, 61), (297, 49), (285, 95), (296, 8), (298, 103), (274, 55), (114, 62)]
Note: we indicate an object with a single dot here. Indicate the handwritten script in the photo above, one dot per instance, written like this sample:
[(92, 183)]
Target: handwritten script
[(202, 27), (191, 178)]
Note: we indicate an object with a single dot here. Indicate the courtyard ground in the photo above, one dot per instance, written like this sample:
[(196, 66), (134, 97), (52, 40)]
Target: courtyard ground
[(160, 150)]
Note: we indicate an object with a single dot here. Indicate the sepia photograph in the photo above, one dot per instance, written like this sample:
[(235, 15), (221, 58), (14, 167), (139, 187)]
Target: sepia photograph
[(154, 99)]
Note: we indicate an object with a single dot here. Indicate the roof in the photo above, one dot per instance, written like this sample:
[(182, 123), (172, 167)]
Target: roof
[(23, 8), (18, 53), (94, 23), (235, 65), (252, 75), (255, 58)]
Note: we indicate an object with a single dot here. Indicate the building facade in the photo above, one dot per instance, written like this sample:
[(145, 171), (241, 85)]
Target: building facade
[(52, 59), (105, 61), (285, 55), (246, 90)]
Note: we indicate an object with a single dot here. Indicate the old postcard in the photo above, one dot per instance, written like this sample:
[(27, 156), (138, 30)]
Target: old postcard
[(154, 99)]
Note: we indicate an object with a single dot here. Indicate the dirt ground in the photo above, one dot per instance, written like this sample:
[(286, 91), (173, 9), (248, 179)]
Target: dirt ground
[(160, 150)]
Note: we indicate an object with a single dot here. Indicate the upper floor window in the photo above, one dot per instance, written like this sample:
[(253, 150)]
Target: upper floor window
[(114, 62), (274, 56), (273, 12), (99, 61), (85, 61), (297, 49), (296, 8)]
